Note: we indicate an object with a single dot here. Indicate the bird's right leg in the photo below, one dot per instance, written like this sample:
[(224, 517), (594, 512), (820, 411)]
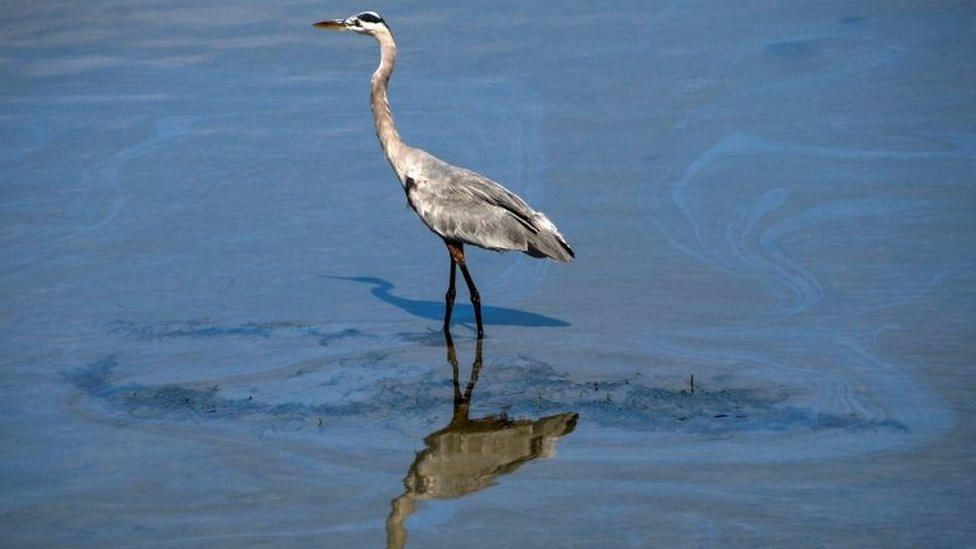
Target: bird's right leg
[(455, 251)]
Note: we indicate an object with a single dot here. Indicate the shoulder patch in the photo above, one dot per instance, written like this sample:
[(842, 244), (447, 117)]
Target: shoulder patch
[(409, 184)]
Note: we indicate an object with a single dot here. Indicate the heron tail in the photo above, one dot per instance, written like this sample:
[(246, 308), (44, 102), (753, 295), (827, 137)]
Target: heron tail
[(548, 242)]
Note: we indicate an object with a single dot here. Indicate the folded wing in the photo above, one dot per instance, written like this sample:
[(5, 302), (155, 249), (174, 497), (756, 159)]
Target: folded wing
[(464, 206)]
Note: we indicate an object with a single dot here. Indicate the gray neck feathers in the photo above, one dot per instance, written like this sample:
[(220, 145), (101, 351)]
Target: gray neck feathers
[(385, 127)]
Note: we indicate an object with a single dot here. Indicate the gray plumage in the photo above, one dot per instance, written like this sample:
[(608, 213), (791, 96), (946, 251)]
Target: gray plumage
[(463, 206), (459, 205)]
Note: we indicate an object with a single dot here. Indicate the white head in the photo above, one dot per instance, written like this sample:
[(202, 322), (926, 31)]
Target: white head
[(367, 22)]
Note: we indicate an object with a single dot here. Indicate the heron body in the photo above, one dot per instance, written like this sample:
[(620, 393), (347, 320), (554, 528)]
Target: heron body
[(459, 205)]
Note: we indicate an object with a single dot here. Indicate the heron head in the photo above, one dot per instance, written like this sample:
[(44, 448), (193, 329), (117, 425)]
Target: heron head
[(367, 22)]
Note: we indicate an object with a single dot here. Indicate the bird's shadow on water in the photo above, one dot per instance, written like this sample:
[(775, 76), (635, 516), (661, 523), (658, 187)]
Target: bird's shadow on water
[(463, 313)]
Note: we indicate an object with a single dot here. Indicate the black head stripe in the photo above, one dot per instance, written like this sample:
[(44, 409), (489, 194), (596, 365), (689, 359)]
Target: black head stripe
[(369, 17)]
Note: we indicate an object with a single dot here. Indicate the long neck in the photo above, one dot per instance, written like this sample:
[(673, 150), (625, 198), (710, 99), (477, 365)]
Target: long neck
[(386, 130)]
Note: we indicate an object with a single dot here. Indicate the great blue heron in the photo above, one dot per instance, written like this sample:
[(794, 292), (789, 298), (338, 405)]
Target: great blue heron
[(460, 206)]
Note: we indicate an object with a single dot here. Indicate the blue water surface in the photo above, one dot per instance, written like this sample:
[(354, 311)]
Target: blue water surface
[(219, 320)]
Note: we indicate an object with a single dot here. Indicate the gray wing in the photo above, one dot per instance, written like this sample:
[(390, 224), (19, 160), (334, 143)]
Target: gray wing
[(463, 206)]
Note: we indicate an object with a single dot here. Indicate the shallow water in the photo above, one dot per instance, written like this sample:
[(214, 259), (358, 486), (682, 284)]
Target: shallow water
[(220, 320)]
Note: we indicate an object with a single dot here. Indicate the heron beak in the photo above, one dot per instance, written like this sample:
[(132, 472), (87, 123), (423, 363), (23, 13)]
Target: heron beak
[(332, 24)]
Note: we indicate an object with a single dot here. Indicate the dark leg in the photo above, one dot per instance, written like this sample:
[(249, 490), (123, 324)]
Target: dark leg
[(475, 370), (453, 361), (449, 300), (475, 298)]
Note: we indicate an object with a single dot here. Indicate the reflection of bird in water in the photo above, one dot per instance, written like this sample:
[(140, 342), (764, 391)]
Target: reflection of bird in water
[(460, 206), (468, 454)]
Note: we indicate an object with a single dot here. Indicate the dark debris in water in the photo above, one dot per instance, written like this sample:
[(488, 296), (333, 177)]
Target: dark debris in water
[(206, 328), (179, 402), (524, 389), (536, 388)]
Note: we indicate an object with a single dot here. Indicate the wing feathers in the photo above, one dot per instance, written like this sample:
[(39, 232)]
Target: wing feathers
[(464, 206)]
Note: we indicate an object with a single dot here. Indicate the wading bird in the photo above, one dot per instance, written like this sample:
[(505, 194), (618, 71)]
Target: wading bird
[(460, 206)]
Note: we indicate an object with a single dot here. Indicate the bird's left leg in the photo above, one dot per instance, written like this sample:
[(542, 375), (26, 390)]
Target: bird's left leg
[(475, 298)]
